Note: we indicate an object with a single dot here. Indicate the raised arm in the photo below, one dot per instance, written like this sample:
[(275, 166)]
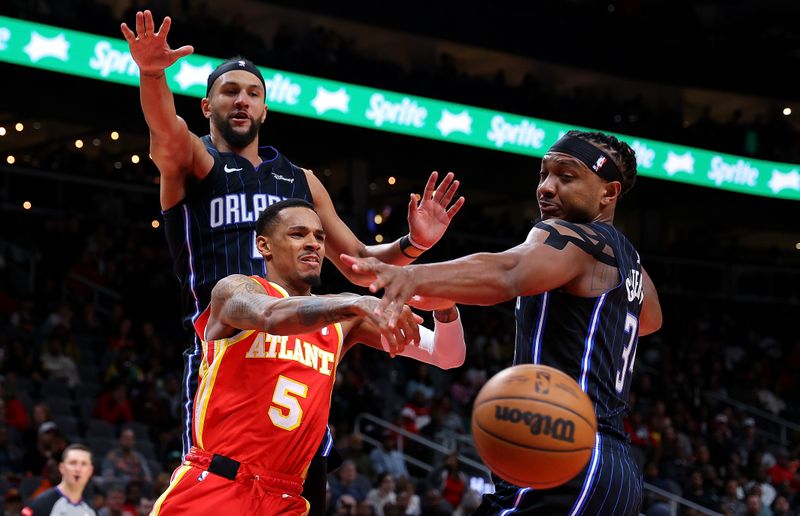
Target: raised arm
[(177, 152), (650, 318), (428, 218)]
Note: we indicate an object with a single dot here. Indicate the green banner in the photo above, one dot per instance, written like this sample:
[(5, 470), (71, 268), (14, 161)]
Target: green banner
[(96, 57)]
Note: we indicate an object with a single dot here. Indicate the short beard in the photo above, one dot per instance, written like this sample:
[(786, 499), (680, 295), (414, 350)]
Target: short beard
[(313, 281), (236, 140)]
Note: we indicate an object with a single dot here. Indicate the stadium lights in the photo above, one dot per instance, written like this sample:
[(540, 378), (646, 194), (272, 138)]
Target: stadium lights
[(114, 135), (96, 142), (2, 131), (391, 180), (19, 127), (10, 160), (379, 238), (155, 224), (135, 158), (27, 205), (78, 144), (378, 218), (797, 246), (787, 111)]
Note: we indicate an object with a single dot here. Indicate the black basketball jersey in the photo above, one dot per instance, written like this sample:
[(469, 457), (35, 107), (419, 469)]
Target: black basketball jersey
[(211, 232), (591, 339)]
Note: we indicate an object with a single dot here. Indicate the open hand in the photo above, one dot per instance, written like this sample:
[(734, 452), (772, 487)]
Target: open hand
[(397, 282), (149, 49), (429, 216)]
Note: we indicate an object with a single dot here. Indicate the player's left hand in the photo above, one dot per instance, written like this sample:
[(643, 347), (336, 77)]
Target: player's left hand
[(406, 330), (429, 216), (397, 282)]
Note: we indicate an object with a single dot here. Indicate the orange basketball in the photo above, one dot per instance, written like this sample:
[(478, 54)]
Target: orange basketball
[(534, 426)]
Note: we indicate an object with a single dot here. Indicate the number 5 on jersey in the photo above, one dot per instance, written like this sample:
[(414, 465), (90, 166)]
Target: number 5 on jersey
[(285, 395)]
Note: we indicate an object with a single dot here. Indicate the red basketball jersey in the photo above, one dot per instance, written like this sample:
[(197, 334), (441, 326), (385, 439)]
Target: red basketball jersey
[(264, 399)]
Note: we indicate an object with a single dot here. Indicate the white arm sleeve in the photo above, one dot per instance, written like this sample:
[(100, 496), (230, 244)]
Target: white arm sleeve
[(444, 347)]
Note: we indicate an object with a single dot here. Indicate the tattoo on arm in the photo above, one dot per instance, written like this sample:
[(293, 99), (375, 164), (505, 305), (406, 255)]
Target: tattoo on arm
[(592, 244), (243, 312), (313, 311)]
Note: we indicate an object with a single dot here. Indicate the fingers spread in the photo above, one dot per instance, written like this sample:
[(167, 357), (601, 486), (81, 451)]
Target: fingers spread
[(455, 207), (428, 192)]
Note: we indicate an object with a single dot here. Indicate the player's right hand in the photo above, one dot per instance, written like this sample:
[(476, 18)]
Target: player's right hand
[(397, 282), (149, 49)]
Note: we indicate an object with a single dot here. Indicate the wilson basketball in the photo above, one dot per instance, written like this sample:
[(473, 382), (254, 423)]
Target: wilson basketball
[(534, 426)]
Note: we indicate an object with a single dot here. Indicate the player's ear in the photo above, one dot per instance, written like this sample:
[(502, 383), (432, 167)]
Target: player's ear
[(611, 192), (205, 106), (262, 244), (264, 114)]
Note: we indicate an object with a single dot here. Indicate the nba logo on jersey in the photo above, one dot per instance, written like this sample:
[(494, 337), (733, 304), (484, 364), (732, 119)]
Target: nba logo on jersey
[(241, 63), (542, 384), (599, 163), (325, 331)]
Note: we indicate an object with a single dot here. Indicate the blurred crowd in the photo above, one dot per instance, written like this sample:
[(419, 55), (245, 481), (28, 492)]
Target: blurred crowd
[(90, 342), (324, 51)]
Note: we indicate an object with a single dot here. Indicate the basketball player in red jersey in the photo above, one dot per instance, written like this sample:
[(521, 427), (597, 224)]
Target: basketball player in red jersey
[(270, 352)]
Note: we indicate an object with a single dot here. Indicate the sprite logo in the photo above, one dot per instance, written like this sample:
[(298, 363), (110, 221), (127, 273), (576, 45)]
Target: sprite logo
[(524, 134)]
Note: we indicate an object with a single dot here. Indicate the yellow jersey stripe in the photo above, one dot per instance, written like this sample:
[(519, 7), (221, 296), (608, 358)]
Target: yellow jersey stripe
[(205, 388), (176, 478)]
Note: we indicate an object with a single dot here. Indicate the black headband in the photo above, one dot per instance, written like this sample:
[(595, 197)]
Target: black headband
[(594, 158), (239, 64)]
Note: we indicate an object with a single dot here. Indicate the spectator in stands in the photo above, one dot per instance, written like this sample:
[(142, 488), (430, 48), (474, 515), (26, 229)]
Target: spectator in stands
[(749, 440), (76, 469), (732, 498), (14, 413), (387, 459), (13, 500), (354, 450), (408, 500), (10, 455), (382, 493), (780, 507), (346, 505), (450, 481), (56, 364), (433, 504), (755, 506), (113, 405), (145, 506), (47, 452), (125, 464), (115, 501), (348, 481)]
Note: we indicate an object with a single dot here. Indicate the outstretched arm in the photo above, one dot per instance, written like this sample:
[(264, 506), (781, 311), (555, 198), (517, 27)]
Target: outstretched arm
[(428, 218), (478, 279), (175, 150), (240, 303)]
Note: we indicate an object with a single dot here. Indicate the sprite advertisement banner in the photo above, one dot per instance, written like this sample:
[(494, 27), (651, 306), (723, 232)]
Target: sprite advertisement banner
[(77, 53)]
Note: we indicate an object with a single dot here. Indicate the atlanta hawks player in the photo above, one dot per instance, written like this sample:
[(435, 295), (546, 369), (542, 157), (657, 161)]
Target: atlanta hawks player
[(270, 352)]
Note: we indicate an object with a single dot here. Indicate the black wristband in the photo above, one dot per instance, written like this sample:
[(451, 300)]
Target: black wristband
[(409, 249)]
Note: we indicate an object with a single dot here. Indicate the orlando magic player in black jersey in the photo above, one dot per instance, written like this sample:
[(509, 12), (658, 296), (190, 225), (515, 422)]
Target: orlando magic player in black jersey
[(213, 188), (583, 299)]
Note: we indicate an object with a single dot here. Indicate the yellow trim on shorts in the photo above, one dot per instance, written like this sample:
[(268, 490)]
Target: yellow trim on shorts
[(177, 477)]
